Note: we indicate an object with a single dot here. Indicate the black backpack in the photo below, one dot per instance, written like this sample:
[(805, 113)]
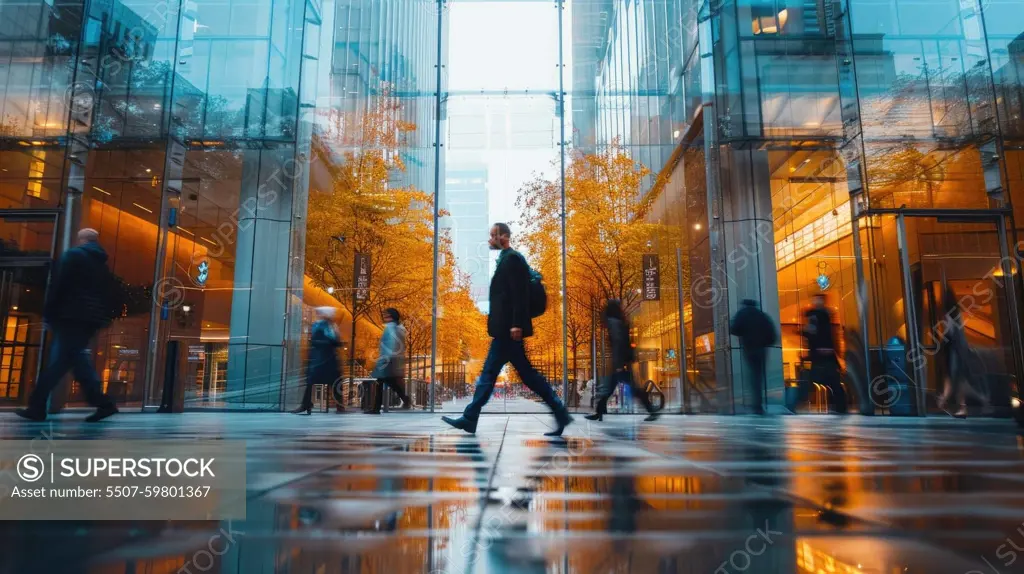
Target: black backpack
[(538, 295)]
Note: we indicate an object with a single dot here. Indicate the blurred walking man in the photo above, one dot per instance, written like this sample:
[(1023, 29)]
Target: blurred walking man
[(77, 306), (819, 335), (756, 332), (509, 323)]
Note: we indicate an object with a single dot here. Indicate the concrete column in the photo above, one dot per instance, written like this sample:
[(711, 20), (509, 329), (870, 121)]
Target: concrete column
[(746, 255), (260, 298)]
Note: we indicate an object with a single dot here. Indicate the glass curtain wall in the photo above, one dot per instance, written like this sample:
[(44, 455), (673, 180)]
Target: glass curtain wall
[(370, 232), (178, 131), (247, 162)]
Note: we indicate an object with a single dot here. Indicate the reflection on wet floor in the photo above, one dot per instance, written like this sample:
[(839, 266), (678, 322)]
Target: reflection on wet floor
[(693, 495)]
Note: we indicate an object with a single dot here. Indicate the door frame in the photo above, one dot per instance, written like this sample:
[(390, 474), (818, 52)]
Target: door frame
[(51, 216), (1009, 266)]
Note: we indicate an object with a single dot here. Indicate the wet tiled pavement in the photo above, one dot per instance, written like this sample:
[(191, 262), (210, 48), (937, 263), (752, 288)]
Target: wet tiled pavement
[(402, 493)]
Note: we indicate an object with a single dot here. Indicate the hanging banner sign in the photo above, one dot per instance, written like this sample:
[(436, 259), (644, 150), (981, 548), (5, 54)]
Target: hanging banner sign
[(652, 278), (362, 277)]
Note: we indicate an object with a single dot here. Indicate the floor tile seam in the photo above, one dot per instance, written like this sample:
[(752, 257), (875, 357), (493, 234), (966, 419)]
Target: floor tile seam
[(478, 527)]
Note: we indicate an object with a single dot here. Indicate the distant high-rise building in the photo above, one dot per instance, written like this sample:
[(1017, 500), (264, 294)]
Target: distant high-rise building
[(465, 198)]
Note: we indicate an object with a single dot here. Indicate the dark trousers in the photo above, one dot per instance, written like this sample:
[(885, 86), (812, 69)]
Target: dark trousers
[(825, 371), (393, 382), (755, 377), (505, 350), (612, 381), (69, 352), (307, 397)]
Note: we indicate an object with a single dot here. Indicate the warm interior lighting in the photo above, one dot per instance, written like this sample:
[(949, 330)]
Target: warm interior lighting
[(211, 242), (675, 134), (827, 229), (36, 167), (143, 208), (101, 190), (182, 229), (770, 24)]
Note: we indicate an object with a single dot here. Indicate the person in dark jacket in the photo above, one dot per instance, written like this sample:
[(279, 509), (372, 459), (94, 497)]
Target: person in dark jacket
[(322, 363), (819, 335), (508, 324), (390, 367), (756, 333), (77, 306), (622, 363)]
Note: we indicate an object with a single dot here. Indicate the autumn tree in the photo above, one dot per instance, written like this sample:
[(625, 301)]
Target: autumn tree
[(607, 232), (365, 212)]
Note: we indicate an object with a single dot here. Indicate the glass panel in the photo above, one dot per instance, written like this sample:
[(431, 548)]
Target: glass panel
[(925, 101), (122, 202), (22, 291), (502, 140), (372, 185), (956, 270)]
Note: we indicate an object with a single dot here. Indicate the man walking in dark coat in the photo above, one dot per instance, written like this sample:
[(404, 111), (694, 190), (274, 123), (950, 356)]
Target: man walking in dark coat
[(508, 324), (756, 333), (819, 335), (77, 306)]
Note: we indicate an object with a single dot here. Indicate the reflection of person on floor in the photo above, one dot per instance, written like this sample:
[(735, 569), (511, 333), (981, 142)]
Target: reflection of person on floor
[(959, 359), (322, 363), (509, 323), (77, 306), (390, 368), (622, 363), (756, 333), (820, 338)]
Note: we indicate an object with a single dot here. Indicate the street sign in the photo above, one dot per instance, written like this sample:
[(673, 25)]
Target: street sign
[(652, 278), (362, 277)]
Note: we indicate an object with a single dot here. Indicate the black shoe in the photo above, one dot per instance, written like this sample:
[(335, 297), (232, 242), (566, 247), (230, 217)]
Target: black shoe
[(31, 414), (303, 411), (101, 413), (562, 421), (594, 417), (461, 423), (373, 412), (652, 417)]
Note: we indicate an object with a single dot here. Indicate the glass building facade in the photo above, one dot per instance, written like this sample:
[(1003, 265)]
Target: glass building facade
[(240, 157)]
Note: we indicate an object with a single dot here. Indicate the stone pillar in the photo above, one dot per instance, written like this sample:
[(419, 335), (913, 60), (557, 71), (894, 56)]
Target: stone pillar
[(745, 252), (260, 300)]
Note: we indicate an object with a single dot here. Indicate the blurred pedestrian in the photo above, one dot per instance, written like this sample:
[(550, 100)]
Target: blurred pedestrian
[(756, 333), (961, 363), (819, 335), (78, 305), (322, 366), (623, 358), (509, 322), (390, 367)]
